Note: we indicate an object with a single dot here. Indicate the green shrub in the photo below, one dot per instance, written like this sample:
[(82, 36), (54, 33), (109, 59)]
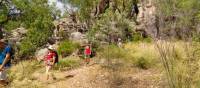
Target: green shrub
[(144, 55), (35, 38), (113, 52), (142, 63), (67, 47), (196, 38), (25, 49), (12, 25), (114, 57), (39, 28), (67, 62), (137, 37)]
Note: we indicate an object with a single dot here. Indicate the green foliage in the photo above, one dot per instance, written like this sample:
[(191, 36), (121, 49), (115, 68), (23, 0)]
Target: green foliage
[(26, 49), (37, 18), (185, 13), (67, 63), (84, 8), (196, 37), (3, 11), (144, 55), (137, 38), (67, 47), (142, 63), (10, 25), (114, 52), (109, 27)]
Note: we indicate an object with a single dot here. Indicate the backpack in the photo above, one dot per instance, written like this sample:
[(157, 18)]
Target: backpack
[(56, 57), (12, 54)]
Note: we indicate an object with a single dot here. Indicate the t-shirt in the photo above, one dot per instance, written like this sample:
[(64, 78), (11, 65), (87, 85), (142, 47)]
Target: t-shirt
[(7, 50), (87, 51), (50, 56)]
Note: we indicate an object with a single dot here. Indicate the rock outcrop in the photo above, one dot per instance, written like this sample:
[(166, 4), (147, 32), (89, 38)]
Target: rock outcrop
[(67, 28), (16, 35), (147, 18), (40, 54)]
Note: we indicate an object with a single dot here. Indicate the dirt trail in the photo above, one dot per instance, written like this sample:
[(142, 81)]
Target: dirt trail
[(83, 77), (97, 77)]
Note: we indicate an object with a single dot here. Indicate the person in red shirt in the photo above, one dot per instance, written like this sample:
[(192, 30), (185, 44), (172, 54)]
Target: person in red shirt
[(49, 60), (87, 53)]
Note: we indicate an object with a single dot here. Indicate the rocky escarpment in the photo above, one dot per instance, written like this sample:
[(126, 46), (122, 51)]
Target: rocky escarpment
[(68, 28), (147, 18)]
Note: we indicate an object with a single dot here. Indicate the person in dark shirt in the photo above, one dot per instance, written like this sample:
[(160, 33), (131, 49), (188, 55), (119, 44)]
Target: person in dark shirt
[(5, 61)]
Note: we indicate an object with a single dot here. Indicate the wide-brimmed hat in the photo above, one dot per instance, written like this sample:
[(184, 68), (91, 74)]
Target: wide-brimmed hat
[(50, 47)]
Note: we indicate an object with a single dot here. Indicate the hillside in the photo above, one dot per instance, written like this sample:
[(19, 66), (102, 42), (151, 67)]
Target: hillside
[(132, 43)]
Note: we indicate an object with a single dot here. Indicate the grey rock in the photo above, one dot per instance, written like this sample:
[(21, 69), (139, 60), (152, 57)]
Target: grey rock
[(41, 53)]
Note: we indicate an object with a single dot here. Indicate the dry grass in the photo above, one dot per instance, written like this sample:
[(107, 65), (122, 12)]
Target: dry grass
[(179, 60), (181, 63), (144, 55), (30, 74)]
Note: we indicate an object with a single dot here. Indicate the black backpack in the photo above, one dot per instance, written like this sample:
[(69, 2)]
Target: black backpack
[(56, 58), (12, 53)]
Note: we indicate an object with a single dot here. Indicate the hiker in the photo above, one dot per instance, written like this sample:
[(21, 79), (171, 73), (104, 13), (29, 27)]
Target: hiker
[(50, 60), (5, 61), (119, 43), (87, 53)]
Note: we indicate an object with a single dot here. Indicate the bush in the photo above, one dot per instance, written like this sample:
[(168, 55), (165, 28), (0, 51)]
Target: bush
[(113, 52), (39, 29), (144, 55), (67, 47), (114, 57), (137, 37), (67, 62), (35, 38), (12, 25), (142, 63), (26, 50)]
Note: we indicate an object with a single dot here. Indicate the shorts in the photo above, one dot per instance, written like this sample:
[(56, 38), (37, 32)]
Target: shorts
[(48, 63), (3, 74), (87, 56)]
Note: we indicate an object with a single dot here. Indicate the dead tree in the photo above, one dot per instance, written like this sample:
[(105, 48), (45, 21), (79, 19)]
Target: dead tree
[(101, 7)]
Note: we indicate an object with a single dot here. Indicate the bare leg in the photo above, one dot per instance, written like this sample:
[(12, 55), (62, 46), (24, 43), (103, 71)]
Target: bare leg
[(47, 72)]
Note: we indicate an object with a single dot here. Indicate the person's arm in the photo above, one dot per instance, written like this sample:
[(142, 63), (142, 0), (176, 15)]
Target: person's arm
[(90, 49), (54, 60), (7, 58)]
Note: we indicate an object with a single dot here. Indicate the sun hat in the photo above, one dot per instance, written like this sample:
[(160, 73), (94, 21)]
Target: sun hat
[(51, 47)]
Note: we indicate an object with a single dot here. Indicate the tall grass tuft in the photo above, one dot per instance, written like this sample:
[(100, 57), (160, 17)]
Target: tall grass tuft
[(69, 62), (181, 63), (144, 55)]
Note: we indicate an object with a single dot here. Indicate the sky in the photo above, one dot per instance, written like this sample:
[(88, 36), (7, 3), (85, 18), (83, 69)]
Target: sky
[(62, 7)]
